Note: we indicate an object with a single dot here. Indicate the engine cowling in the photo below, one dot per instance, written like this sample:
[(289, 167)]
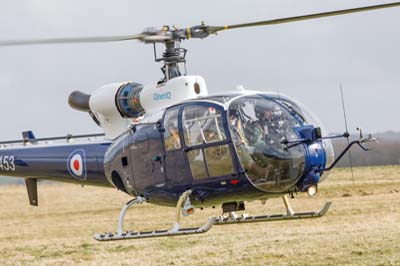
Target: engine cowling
[(128, 100), (111, 106), (114, 106)]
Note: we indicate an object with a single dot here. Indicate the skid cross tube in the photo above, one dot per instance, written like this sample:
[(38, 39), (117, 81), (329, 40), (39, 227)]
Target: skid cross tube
[(174, 231), (138, 200)]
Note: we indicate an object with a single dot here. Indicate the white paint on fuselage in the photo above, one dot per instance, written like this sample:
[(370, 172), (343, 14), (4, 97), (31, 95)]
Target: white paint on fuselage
[(153, 98)]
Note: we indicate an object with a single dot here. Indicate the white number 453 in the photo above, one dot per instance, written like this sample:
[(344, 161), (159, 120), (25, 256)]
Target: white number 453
[(7, 163)]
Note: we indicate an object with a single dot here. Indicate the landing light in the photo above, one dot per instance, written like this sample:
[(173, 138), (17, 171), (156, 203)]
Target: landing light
[(311, 191)]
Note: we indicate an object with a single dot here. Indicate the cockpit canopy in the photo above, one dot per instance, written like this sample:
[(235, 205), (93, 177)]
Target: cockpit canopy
[(214, 130), (258, 125)]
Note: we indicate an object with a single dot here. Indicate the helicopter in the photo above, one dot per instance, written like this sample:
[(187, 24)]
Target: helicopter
[(173, 144)]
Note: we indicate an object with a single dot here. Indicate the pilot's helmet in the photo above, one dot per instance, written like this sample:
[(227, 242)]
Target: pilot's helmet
[(265, 110)]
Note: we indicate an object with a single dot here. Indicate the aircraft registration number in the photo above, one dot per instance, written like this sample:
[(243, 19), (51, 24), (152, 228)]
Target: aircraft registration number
[(7, 163)]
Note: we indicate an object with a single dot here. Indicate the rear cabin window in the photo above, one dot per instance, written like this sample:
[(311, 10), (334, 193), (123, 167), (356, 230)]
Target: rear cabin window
[(203, 125), (171, 133)]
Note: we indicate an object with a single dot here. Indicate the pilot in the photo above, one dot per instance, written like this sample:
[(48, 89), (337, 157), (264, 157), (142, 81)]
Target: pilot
[(243, 147), (257, 130), (273, 125), (239, 139), (265, 115), (259, 134), (268, 124), (237, 128)]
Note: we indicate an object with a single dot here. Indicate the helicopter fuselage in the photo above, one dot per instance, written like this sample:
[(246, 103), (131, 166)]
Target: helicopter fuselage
[(225, 148)]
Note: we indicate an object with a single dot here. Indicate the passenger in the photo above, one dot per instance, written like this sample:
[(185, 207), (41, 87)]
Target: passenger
[(172, 142), (238, 136)]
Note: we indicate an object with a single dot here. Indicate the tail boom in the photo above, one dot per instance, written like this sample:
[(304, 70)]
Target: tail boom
[(73, 163)]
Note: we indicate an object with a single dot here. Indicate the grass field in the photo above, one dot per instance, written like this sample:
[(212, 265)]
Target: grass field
[(362, 228)]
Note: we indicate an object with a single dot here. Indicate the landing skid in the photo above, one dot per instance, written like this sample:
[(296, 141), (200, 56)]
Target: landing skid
[(155, 233), (185, 206), (174, 231), (274, 217)]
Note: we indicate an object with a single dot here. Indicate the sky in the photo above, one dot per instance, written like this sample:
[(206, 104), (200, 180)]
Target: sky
[(306, 60)]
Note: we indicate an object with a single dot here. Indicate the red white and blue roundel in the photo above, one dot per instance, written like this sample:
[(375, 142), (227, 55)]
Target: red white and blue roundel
[(77, 164)]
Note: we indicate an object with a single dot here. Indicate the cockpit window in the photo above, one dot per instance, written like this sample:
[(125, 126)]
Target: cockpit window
[(293, 109), (202, 125), (258, 125), (308, 118)]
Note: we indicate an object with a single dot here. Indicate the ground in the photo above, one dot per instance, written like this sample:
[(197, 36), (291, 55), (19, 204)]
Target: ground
[(362, 228)]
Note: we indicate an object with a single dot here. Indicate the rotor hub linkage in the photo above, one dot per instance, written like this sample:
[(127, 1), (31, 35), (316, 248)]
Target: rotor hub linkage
[(172, 57), (172, 54)]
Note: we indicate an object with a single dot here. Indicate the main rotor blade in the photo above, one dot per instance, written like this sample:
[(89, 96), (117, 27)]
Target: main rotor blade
[(214, 29), (72, 40)]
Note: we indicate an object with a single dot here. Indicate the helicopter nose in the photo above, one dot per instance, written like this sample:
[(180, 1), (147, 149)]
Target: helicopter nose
[(315, 163), (315, 156)]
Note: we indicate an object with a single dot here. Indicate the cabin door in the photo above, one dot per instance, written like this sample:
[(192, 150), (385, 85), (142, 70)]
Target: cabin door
[(177, 170), (147, 157)]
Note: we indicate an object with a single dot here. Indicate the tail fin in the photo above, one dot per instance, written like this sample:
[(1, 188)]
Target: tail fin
[(31, 187)]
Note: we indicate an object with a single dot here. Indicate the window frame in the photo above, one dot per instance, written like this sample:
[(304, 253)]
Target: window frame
[(204, 146), (223, 129), (171, 109)]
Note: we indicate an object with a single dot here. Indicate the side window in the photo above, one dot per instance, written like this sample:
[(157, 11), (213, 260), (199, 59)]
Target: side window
[(171, 133), (197, 164), (219, 160), (202, 124)]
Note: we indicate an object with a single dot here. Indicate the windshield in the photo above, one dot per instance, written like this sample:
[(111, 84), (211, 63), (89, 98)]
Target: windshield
[(258, 125), (309, 118)]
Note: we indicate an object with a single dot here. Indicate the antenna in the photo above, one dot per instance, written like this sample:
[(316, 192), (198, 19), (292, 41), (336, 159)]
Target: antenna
[(346, 134)]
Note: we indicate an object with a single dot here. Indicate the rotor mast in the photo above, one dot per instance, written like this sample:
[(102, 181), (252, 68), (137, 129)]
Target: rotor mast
[(172, 57)]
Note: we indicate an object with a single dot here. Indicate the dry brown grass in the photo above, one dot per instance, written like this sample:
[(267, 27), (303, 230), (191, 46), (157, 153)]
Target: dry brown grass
[(362, 228)]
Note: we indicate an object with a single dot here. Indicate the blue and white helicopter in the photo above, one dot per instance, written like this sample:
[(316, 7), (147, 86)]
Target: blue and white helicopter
[(171, 143)]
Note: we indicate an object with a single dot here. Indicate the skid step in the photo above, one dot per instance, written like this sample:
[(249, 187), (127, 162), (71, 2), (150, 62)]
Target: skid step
[(273, 217), (155, 233)]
